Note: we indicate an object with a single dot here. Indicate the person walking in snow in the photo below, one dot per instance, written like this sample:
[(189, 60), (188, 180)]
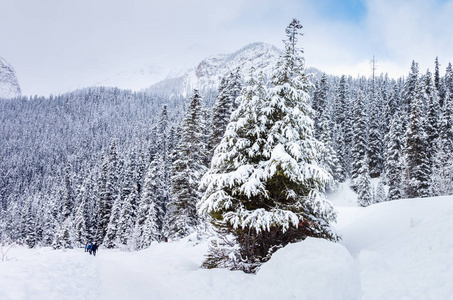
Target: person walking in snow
[(86, 247), (90, 248), (94, 248)]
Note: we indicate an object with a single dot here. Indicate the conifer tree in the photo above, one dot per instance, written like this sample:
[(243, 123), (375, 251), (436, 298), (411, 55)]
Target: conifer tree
[(165, 146), (436, 74), (29, 227), (394, 163), (341, 116), (329, 160), (432, 121), (363, 182), (234, 88), (442, 171), (111, 239), (411, 87), (342, 128), (151, 215), (360, 137), (265, 184), (108, 191), (81, 220), (380, 192), (187, 171), (320, 104), (64, 236), (386, 106), (229, 90), (446, 123), (68, 200), (126, 220), (129, 196), (375, 139), (220, 114), (418, 171)]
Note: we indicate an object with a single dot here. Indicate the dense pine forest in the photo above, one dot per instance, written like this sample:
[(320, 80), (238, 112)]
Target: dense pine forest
[(125, 168)]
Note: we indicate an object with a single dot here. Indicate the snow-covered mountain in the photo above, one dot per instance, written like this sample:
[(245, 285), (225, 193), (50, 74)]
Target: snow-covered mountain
[(209, 72), (9, 86)]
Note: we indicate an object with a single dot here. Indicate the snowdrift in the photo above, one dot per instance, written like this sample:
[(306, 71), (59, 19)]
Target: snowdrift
[(404, 248), (313, 269)]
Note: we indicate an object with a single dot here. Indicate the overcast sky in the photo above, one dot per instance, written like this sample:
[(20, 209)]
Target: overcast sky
[(60, 45)]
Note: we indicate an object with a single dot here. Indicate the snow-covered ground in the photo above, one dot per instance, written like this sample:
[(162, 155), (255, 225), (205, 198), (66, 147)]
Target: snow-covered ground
[(393, 250)]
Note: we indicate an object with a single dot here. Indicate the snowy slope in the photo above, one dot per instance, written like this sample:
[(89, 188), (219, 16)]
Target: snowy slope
[(9, 86), (393, 250), (210, 71)]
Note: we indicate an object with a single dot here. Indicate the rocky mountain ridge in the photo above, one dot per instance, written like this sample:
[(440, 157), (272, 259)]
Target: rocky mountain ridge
[(207, 75), (9, 85)]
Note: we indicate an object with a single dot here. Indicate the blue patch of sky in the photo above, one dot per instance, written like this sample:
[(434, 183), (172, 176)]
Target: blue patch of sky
[(349, 11)]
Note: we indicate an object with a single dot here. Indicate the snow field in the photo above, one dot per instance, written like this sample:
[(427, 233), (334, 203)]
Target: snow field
[(392, 250), (404, 248)]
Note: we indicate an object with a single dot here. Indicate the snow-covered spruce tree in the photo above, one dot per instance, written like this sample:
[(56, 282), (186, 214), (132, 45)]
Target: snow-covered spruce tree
[(394, 158), (380, 195), (129, 196), (108, 191), (375, 137), (411, 87), (150, 215), (436, 74), (343, 131), (229, 90), (265, 184), (234, 88), (68, 200), (29, 226), (363, 182), (432, 121), (64, 238), (360, 136), (81, 219), (442, 171), (329, 159), (446, 123), (385, 94), (164, 147), (220, 114), (126, 222), (111, 239), (417, 164), (187, 171), (319, 104), (442, 161)]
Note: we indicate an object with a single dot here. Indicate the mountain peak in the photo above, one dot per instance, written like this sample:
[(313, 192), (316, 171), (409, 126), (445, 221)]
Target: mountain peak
[(208, 73), (9, 86), (257, 55)]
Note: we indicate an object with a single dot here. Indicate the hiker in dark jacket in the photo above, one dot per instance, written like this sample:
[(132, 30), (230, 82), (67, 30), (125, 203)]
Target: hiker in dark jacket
[(94, 248), (90, 248)]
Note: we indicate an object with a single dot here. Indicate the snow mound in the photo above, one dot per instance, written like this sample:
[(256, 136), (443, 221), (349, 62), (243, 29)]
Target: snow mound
[(312, 269), (404, 248)]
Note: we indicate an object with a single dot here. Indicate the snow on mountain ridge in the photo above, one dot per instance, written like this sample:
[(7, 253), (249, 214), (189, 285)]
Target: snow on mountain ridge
[(259, 55), (207, 75), (9, 86)]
